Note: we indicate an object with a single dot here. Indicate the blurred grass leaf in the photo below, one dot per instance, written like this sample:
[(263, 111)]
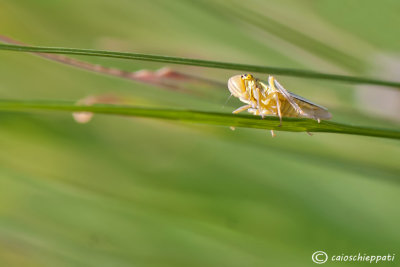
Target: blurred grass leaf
[(261, 20), (212, 118)]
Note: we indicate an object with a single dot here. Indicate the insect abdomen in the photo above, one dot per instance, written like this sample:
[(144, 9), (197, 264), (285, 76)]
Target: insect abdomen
[(287, 110)]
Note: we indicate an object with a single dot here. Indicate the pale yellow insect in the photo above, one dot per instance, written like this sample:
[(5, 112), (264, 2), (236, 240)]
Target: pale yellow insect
[(272, 99)]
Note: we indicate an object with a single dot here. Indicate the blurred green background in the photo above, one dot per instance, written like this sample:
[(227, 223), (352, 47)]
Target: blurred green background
[(122, 191)]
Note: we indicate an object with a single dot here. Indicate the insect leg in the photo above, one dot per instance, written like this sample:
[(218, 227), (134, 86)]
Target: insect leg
[(258, 94), (243, 108), (276, 86), (278, 107)]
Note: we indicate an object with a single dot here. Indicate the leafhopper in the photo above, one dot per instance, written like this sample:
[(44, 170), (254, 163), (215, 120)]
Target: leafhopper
[(272, 99)]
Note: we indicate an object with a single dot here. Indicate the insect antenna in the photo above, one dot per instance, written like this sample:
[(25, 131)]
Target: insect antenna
[(226, 102)]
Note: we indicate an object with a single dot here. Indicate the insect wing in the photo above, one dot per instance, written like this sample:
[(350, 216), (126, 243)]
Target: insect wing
[(302, 99), (311, 109), (302, 105), (314, 110), (286, 94)]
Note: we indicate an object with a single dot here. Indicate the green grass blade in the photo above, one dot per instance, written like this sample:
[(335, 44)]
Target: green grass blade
[(222, 119), (200, 63)]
